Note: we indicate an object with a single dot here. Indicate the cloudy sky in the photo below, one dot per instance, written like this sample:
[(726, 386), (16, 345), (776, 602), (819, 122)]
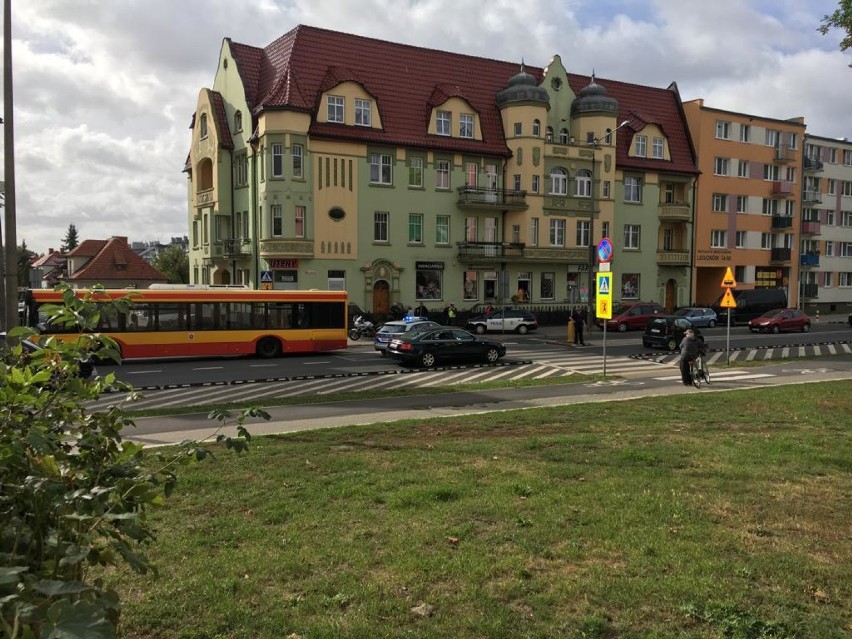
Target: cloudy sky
[(104, 89)]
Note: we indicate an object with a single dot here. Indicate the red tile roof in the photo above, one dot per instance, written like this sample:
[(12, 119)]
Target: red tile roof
[(292, 72), (113, 259)]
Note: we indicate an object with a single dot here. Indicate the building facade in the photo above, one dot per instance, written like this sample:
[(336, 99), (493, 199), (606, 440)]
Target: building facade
[(826, 230), (407, 175), (748, 201)]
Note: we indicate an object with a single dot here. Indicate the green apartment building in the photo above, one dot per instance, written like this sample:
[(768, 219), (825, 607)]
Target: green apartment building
[(406, 175)]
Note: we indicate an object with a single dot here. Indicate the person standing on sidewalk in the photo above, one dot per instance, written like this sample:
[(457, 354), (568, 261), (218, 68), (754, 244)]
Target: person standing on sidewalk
[(579, 324)]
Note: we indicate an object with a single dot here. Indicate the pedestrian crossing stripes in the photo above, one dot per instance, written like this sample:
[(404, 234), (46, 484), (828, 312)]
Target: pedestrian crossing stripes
[(528, 364)]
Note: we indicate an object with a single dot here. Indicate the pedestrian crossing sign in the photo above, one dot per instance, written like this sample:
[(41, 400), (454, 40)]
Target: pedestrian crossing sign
[(266, 277), (728, 300), (604, 297)]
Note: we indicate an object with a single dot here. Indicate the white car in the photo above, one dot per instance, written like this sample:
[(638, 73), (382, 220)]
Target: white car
[(508, 320)]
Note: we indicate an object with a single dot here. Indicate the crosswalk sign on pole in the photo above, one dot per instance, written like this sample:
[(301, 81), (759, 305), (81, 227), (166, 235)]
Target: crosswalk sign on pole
[(728, 300), (604, 296)]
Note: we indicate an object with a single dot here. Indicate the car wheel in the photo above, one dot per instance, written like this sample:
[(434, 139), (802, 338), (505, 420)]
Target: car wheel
[(671, 344), (711, 323), (268, 347), (492, 355), (427, 360), (479, 329), (622, 328), (806, 328), (776, 329), (522, 329)]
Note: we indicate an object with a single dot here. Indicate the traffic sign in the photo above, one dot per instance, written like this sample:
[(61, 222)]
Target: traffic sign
[(728, 281), (604, 251), (266, 277), (604, 296), (728, 300)]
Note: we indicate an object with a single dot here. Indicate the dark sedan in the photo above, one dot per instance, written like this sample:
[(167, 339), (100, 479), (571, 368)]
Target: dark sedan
[(428, 347)]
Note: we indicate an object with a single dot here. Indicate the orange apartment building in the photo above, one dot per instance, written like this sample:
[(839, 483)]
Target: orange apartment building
[(747, 201)]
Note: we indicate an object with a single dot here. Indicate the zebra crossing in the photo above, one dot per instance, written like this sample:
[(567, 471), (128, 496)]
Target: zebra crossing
[(521, 364)]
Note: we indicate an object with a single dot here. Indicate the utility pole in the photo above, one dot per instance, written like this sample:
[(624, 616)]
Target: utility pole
[(10, 225)]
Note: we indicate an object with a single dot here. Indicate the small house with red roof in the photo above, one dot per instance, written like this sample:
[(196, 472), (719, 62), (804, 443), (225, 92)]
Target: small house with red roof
[(111, 263)]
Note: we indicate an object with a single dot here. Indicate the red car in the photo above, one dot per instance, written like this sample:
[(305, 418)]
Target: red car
[(781, 319)]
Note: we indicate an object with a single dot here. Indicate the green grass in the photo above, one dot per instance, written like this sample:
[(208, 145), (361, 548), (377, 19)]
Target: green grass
[(698, 515)]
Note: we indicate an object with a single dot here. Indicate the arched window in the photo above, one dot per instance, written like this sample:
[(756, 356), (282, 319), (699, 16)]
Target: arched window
[(238, 121), (202, 125), (583, 184), (548, 137), (559, 181), (536, 128), (204, 175), (563, 136)]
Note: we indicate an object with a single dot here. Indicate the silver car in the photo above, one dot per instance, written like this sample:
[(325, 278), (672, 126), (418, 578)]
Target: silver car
[(396, 328), (699, 316)]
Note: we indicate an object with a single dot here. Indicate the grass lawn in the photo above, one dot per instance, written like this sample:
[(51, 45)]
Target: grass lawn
[(699, 515)]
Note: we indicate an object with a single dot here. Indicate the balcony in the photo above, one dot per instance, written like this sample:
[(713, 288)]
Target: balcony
[(782, 188), (811, 196), (673, 257), (810, 291), (493, 252), (236, 248), (780, 255), (784, 154), (782, 222), (675, 212), (472, 197), (809, 260), (810, 164), (811, 228)]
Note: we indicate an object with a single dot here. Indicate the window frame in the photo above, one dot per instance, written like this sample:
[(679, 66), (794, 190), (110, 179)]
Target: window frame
[(558, 181), (336, 109), (467, 125), (443, 123), (381, 227), (277, 150), (415, 228), (632, 236), (381, 168), (363, 112)]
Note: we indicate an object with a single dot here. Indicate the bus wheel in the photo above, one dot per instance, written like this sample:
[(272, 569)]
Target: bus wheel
[(268, 347)]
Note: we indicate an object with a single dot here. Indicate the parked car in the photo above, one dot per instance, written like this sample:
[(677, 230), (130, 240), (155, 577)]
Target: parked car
[(699, 316), (781, 320), (750, 304), (666, 331), (632, 316), (503, 320), (389, 330), (85, 367), (445, 343)]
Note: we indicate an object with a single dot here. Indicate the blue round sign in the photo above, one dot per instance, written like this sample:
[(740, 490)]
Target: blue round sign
[(604, 250)]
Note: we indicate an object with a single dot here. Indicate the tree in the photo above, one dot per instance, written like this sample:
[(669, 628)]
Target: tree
[(840, 19), (75, 492), (71, 241), (25, 258), (173, 262)]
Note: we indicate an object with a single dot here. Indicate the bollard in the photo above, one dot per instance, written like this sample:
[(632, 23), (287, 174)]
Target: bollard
[(817, 315), (570, 330)]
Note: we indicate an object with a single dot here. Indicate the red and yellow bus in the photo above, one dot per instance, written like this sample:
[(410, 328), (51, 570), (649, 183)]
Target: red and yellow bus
[(203, 322)]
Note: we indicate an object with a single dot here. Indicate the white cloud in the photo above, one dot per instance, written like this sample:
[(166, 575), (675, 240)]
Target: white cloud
[(104, 91)]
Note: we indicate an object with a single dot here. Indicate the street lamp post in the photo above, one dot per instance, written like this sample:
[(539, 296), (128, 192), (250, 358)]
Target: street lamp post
[(10, 225)]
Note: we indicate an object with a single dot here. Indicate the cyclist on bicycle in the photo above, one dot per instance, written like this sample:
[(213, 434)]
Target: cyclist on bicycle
[(689, 348)]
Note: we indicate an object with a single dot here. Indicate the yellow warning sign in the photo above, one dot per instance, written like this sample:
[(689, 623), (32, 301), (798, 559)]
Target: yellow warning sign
[(604, 296), (728, 281), (728, 300)]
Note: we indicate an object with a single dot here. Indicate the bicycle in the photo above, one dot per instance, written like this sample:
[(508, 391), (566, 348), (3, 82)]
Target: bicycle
[(699, 371)]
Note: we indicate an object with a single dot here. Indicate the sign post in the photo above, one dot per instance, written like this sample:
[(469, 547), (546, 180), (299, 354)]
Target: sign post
[(728, 301), (603, 299)]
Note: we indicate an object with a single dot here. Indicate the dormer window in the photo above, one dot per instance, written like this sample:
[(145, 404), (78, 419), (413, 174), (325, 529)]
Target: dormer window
[(238, 121), (658, 145), (335, 109), (443, 123), (363, 113), (641, 146), (466, 125), (202, 126)]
